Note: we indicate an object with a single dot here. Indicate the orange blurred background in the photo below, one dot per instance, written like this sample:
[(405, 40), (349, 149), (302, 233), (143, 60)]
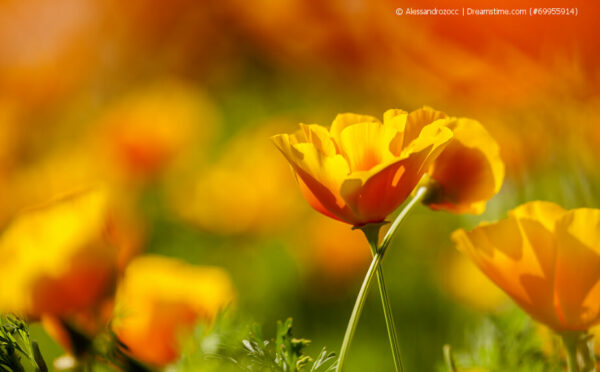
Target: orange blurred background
[(171, 104)]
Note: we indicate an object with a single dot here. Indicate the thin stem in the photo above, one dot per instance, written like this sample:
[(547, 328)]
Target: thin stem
[(449, 359), (387, 313), (39, 359), (358, 305), (367, 281), (580, 351), (588, 353), (570, 343)]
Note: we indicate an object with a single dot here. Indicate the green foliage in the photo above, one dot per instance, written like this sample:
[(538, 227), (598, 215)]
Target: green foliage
[(506, 342), (285, 353), (231, 347), (15, 344)]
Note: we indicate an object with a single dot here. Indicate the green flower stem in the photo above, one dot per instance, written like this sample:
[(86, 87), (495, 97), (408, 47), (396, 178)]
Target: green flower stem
[(588, 353), (580, 351), (449, 359), (39, 359), (571, 348), (358, 305), (387, 307), (367, 281)]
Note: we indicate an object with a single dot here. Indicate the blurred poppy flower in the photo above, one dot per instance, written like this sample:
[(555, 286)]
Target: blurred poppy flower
[(147, 130), (75, 332), (57, 257), (160, 299), (52, 174), (468, 172), (207, 200), (360, 170), (546, 258), (64, 171)]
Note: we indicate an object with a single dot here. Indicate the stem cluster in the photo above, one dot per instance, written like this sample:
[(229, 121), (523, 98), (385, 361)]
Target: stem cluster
[(371, 232), (580, 351)]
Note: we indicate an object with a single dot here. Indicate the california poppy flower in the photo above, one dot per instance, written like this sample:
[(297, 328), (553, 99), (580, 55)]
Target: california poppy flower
[(207, 202), (469, 171), (360, 170), (58, 258), (160, 299), (546, 258), (150, 128)]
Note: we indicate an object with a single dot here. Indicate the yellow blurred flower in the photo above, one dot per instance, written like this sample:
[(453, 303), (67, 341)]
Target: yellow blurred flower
[(67, 170), (56, 259), (234, 193), (546, 258), (117, 240), (148, 129), (469, 171), (360, 170), (160, 299), (54, 173)]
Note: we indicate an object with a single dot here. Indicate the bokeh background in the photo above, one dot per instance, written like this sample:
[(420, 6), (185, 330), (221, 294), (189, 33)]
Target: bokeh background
[(172, 103)]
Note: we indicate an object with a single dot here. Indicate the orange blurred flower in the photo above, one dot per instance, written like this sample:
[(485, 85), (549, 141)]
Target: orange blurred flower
[(64, 258), (469, 171), (57, 257), (546, 258), (52, 174), (160, 299), (360, 170), (148, 129), (64, 171)]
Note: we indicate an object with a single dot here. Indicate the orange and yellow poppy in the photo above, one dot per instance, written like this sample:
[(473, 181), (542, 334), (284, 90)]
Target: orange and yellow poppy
[(546, 258), (469, 171), (58, 257), (160, 299), (360, 170)]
